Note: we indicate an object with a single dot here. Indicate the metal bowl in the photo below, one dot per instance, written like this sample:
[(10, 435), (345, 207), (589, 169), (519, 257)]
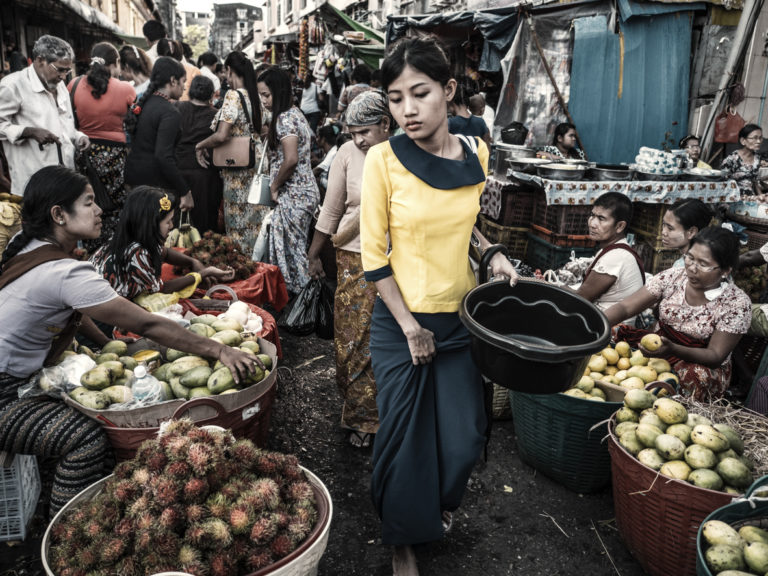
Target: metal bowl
[(561, 172), (654, 176), (611, 172), (516, 151), (699, 175)]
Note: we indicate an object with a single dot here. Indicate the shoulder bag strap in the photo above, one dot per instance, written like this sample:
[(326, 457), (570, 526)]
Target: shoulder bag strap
[(72, 101), (617, 246), (245, 109), (469, 142)]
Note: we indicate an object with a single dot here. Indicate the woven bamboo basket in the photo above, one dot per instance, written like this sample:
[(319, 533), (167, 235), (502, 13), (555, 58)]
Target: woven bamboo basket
[(561, 436), (752, 510), (658, 517)]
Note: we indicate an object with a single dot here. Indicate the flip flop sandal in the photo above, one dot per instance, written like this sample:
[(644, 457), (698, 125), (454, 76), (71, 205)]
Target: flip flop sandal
[(360, 439), (447, 518)]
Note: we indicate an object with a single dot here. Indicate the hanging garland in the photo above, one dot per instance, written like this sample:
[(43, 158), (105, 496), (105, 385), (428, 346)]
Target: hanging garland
[(303, 50)]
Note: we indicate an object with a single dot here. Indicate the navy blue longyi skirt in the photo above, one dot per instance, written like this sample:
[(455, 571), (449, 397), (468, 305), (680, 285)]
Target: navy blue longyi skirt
[(432, 426)]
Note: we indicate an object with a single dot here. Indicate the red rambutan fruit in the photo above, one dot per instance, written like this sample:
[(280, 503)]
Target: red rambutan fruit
[(190, 561), (241, 519), (141, 477), (167, 543), (245, 452), (87, 557), (171, 518), (165, 491), (308, 515), (124, 470), (300, 491), (138, 507), (265, 494), (177, 447), (195, 513), (196, 536), (200, 457), (298, 531), (233, 488), (218, 506), (179, 470), (124, 527), (125, 491), (264, 528), (258, 557), (128, 566), (144, 521), (219, 532), (196, 490), (222, 563), (143, 540), (282, 545), (112, 550)]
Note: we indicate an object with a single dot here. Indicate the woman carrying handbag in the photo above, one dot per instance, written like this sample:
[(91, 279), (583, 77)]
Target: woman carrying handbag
[(236, 128)]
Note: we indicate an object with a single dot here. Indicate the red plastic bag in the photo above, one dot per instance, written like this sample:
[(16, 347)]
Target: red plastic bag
[(728, 124)]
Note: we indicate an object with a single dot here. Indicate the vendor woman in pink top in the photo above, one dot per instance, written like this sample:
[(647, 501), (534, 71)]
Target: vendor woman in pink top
[(100, 102)]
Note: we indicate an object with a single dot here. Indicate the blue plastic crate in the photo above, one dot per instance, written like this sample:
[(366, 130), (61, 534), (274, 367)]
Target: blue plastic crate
[(19, 491)]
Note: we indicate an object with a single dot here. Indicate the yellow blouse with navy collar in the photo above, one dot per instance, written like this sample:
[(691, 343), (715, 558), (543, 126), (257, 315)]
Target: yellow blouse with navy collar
[(429, 224)]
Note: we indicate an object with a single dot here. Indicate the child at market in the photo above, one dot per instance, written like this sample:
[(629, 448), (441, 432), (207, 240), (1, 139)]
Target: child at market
[(47, 295), (132, 260)]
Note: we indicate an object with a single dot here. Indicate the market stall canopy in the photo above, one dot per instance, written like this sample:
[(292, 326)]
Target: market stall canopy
[(92, 15), (372, 51)]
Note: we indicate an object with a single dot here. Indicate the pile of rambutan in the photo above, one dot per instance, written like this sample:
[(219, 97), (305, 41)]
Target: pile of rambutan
[(220, 251), (194, 500)]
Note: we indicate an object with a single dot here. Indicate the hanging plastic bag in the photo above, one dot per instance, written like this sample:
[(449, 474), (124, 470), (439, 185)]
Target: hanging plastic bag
[(324, 327), (300, 315), (261, 246)]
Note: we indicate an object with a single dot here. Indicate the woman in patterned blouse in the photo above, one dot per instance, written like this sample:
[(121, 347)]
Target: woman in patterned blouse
[(743, 164), (702, 314)]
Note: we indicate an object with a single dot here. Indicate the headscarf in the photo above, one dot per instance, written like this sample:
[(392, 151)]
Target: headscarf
[(367, 109)]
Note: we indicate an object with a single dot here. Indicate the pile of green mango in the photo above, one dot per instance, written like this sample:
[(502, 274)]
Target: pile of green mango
[(663, 435), (182, 376), (735, 553)]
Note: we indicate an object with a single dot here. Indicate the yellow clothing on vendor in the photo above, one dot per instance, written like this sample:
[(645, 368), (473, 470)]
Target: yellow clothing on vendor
[(703, 165), (429, 230)]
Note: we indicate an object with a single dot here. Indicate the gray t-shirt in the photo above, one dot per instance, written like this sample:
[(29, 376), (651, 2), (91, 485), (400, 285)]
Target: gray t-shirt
[(36, 306)]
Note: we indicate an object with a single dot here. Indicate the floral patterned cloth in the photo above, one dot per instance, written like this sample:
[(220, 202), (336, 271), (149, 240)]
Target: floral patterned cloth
[(108, 160), (297, 200), (730, 311), (241, 219), (576, 192), (353, 307), (745, 176)]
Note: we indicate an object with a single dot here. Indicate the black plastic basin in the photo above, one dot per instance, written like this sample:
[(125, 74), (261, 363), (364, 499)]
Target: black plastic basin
[(535, 337)]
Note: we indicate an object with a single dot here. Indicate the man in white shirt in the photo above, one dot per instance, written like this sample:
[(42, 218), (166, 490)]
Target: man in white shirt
[(37, 128), (208, 61), (153, 31), (617, 271)]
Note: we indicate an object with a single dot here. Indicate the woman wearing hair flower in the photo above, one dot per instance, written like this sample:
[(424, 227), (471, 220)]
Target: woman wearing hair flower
[(133, 258)]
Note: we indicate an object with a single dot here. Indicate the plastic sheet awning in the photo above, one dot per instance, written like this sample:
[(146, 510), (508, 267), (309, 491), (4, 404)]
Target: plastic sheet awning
[(630, 88)]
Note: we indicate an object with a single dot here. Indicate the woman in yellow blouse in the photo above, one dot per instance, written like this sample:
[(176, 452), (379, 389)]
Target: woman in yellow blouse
[(420, 196)]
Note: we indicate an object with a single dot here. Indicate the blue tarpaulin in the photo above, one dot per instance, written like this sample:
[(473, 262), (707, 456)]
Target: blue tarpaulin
[(630, 89)]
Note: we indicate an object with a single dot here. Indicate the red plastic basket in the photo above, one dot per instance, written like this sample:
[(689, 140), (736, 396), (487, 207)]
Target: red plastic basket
[(658, 517), (517, 204), (571, 241), (571, 220)]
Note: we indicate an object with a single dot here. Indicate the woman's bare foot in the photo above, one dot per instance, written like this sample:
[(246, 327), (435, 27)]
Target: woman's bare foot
[(404, 562)]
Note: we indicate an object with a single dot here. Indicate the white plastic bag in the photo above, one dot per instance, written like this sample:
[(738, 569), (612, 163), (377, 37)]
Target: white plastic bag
[(60, 379)]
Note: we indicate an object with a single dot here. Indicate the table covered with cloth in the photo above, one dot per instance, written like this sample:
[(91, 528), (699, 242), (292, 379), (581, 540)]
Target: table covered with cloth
[(581, 192)]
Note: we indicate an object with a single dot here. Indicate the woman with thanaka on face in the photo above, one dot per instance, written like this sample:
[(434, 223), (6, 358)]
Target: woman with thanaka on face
[(692, 145), (420, 196), (369, 123), (702, 314), (46, 295), (681, 223)]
